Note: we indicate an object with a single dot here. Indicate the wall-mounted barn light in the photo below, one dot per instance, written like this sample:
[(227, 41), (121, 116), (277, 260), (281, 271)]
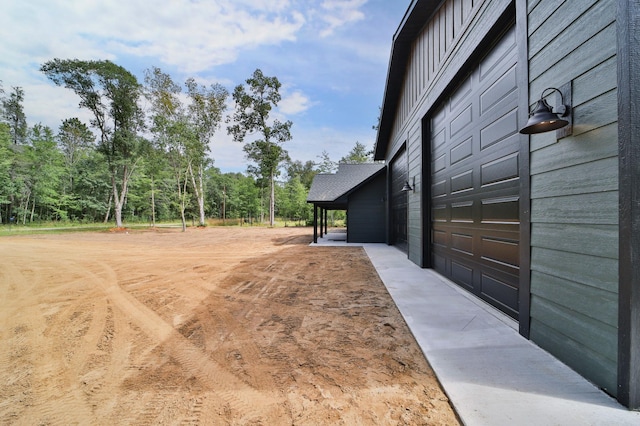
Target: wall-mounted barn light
[(407, 187), (544, 119)]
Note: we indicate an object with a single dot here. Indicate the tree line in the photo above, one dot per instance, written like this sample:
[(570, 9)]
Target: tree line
[(145, 154)]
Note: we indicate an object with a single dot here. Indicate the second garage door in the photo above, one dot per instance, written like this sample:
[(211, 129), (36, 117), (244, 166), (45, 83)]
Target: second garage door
[(475, 182), (399, 176)]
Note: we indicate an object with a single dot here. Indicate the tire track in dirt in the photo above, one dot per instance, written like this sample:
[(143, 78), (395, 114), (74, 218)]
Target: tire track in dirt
[(242, 399), (38, 359)]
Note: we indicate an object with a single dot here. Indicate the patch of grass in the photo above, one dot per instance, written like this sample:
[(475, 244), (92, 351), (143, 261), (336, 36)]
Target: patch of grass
[(64, 227)]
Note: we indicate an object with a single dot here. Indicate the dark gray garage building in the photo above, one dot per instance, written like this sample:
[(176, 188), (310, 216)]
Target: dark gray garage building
[(545, 227), (360, 190)]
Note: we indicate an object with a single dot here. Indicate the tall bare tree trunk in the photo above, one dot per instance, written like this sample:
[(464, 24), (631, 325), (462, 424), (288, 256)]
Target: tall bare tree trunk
[(106, 216), (198, 188), (25, 209), (153, 202), (182, 193), (224, 204), (117, 205), (272, 201), (119, 199), (33, 210)]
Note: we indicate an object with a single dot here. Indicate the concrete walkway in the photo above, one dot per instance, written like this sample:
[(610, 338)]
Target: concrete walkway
[(492, 375)]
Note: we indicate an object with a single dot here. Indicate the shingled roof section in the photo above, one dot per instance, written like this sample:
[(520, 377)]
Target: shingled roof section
[(328, 188)]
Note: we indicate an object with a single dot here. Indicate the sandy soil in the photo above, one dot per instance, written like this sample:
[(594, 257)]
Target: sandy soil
[(213, 326)]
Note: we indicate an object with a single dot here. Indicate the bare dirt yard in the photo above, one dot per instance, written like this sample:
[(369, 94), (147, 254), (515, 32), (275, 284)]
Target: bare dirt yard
[(219, 326)]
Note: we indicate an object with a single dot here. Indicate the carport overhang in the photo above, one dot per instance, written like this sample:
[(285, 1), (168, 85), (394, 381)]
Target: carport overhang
[(320, 216)]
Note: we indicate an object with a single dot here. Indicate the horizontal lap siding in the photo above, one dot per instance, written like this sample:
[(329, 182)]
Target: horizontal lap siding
[(574, 189), (414, 210)]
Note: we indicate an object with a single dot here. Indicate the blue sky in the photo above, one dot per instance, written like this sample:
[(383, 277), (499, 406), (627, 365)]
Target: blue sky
[(331, 57)]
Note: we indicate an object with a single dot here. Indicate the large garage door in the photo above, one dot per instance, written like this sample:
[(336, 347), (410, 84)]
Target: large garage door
[(399, 176), (475, 181)]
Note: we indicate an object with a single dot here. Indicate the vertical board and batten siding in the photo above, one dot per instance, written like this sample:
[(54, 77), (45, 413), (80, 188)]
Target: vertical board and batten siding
[(574, 189), (429, 52), (366, 218)]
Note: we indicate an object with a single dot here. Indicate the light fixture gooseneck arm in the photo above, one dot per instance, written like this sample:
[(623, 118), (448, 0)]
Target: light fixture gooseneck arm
[(561, 109)]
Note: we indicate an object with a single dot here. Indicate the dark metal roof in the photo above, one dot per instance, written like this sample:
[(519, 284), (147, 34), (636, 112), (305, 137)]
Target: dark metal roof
[(414, 20), (333, 189)]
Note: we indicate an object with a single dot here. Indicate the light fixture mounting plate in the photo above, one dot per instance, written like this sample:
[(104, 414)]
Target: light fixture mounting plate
[(565, 109)]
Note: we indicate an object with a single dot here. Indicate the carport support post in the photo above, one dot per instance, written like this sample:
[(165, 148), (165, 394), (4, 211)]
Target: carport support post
[(315, 224), (326, 220)]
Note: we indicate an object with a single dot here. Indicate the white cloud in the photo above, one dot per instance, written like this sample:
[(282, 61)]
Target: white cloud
[(294, 103), (49, 105), (308, 144), (191, 35), (337, 13)]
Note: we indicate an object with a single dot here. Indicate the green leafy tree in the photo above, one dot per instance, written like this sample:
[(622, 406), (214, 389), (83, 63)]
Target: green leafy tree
[(14, 117), (92, 190), (358, 155), (171, 131), (293, 203), (305, 172), (46, 172), (248, 198), (232, 195), (7, 186), (13, 114), (326, 165), (204, 114), (253, 105), (155, 168), (111, 94), (75, 141)]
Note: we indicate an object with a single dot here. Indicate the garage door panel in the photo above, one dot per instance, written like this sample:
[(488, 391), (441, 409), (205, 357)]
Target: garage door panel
[(503, 253), (440, 238), (462, 150), (499, 130), (462, 120), (440, 213), (501, 91), (475, 181), (462, 182), (500, 293), (494, 61), (439, 189), (462, 212), (462, 273), (461, 94), (462, 243), (440, 162), (501, 169), (503, 210)]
